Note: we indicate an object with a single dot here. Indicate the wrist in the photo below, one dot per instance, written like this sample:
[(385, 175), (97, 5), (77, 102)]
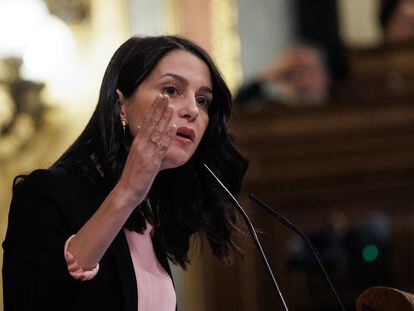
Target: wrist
[(125, 197)]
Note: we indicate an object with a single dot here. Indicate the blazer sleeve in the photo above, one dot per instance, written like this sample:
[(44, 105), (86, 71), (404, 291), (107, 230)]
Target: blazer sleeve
[(35, 274)]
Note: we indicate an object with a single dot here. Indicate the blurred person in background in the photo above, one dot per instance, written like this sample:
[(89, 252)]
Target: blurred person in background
[(298, 77), (397, 19)]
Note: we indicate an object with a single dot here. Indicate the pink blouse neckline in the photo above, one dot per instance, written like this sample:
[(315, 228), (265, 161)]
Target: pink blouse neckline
[(155, 288)]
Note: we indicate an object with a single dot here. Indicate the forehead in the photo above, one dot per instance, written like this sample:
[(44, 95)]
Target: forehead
[(185, 64)]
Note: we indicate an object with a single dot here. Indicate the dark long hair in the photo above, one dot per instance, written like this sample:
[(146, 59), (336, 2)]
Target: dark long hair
[(186, 198)]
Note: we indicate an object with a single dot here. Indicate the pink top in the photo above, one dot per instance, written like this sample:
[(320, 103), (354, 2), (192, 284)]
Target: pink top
[(155, 288)]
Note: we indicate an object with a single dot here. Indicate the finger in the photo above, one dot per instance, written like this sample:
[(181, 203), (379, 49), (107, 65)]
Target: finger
[(152, 118), (165, 118), (166, 140), (156, 135), (153, 134), (158, 107)]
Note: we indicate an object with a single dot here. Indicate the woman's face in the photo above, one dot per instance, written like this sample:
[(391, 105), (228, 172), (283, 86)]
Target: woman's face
[(186, 79)]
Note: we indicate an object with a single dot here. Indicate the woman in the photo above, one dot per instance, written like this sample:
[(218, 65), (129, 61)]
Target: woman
[(94, 232)]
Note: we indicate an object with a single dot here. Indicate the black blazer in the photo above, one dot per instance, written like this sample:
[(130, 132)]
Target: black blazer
[(47, 208)]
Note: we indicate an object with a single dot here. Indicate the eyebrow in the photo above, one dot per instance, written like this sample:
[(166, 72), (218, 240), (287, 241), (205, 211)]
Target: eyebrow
[(184, 81)]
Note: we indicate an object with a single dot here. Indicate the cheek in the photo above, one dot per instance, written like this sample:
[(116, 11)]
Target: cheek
[(136, 112), (134, 121)]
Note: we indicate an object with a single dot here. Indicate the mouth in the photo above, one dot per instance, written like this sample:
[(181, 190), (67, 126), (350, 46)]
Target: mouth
[(185, 133)]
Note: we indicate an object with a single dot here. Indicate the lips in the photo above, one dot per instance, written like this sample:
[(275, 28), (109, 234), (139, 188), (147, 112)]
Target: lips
[(185, 133)]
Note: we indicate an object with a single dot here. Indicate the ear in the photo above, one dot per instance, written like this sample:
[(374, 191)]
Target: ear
[(121, 103)]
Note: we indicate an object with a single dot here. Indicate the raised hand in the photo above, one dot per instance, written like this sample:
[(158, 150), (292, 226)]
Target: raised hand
[(145, 157), (148, 149)]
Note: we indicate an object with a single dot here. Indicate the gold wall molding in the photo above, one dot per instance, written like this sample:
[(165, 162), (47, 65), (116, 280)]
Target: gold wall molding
[(212, 24), (225, 40), (172, 17)]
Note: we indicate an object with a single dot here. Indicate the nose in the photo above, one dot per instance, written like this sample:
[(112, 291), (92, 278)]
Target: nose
[(189, 110)]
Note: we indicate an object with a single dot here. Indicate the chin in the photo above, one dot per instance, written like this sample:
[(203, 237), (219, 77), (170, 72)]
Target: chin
[(175, 158)]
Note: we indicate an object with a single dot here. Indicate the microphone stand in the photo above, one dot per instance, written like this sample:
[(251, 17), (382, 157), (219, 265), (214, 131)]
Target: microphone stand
[(295, 229), (253, 233)]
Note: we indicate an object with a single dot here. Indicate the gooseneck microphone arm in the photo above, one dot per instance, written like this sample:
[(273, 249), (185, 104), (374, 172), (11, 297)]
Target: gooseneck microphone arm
[(291, 226), (253, 234)]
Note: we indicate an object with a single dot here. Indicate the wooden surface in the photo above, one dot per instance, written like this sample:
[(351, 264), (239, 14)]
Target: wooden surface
[(382, 72), (330, 156), (385, 299), (313, 164), (330, 166)]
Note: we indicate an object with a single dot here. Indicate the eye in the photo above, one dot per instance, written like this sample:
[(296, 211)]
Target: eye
[(203, 101), (170, 90)]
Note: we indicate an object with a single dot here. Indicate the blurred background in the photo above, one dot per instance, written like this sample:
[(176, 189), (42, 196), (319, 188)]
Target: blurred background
[(324, 109)]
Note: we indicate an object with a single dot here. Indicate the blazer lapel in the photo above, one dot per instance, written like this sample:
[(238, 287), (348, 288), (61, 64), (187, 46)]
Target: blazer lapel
[(124, 265), (97, 190)]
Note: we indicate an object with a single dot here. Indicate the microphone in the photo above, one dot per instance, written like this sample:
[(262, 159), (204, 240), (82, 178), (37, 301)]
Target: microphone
[(253, 234), (295, 229)]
